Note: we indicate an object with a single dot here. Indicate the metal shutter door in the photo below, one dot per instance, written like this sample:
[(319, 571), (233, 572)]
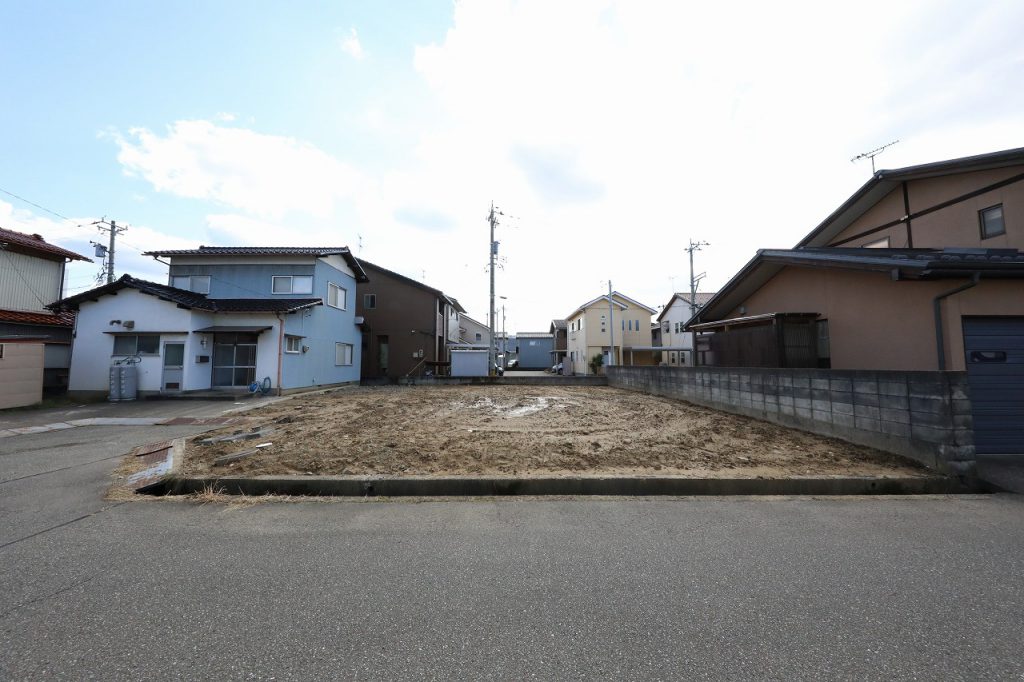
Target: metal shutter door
[(995, 372)]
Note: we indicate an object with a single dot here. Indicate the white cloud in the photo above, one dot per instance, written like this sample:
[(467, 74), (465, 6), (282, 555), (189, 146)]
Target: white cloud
[(615, 130), (264, 175), (350, 45)]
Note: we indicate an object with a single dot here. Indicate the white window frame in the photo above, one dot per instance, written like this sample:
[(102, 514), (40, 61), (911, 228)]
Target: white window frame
[(340, 352), (289, 341), (331, 286), (136, 337), (192, 280), (291, 284)]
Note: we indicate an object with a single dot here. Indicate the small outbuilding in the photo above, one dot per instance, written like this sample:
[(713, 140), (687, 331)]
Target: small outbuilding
[(21, 370)]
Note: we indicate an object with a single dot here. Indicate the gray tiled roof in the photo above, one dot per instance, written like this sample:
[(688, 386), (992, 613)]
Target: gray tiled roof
[(189, 299), (253, 251)]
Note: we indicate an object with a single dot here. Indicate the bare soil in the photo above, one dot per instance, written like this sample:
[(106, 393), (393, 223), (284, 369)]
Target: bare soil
[(525, 431)]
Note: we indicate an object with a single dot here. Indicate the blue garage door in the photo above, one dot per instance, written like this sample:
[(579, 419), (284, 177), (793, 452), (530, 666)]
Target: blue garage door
[(995, 373)]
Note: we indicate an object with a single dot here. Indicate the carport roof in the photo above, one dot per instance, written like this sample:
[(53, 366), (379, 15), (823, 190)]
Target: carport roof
[(230, 328), (913, 264)]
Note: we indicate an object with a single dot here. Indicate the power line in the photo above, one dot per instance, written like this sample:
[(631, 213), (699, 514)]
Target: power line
[(42, 208)]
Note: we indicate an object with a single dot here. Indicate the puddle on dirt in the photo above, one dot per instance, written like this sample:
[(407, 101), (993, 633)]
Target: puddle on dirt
[(511, 410)]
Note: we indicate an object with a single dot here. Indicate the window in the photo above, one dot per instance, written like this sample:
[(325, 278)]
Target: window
[(292, 344), (199, 284), (1, 351), (343, 354), (369, 301), (823, 345), (292, 284), (337, 297), (137, 344), (479, 336), (992, 224)]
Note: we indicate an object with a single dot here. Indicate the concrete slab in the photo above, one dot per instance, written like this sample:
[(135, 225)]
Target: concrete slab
[(42, 428)]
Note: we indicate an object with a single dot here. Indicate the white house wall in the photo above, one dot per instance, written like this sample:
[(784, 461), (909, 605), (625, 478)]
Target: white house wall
[(678, 313), (92, 352), (93, 349)]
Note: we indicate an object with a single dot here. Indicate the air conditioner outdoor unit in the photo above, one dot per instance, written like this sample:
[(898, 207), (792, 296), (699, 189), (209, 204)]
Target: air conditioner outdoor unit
[(128, 324)]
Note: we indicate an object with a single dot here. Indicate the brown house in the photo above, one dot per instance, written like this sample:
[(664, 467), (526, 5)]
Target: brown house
[(921, 269), (559, 329), (407, 325)]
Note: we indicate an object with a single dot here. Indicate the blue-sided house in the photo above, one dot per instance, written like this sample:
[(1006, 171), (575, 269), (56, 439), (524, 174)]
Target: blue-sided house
[(228, 317)]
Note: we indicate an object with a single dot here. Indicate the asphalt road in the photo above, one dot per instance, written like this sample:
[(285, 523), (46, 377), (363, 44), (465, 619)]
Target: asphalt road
[(894, 588)]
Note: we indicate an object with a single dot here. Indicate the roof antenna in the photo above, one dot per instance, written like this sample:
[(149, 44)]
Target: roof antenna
[(360, 244), (872, 154)]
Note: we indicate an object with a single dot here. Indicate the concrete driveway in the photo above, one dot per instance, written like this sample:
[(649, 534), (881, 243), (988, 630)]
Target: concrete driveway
[(894, 588), (10, 419)]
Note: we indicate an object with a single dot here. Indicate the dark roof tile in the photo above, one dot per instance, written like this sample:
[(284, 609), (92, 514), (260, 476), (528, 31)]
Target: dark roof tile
[(35, 242)]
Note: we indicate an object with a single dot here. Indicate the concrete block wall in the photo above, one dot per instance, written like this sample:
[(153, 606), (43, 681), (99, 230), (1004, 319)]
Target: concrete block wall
[(925, 416)]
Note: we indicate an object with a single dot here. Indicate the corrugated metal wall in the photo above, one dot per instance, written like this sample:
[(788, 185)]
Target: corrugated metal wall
[(28, 283)]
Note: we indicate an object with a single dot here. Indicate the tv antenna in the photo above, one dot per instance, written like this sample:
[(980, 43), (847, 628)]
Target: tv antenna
[(872, 154)]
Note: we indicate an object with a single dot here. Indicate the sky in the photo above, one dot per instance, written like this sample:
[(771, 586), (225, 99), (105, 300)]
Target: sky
[(608, 133)]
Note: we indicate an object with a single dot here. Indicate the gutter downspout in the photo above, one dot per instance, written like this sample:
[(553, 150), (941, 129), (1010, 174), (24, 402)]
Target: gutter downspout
[(280, 349), (940, 346)]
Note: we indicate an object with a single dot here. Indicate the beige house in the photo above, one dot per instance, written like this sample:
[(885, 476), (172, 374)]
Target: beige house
[(921, 269), (614, 326)]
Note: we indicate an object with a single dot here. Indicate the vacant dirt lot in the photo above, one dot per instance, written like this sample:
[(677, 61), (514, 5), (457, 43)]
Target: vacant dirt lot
[(525, 431)]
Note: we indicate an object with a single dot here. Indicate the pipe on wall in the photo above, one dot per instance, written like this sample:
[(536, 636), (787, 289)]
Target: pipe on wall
[(940, 345), (280, 350)]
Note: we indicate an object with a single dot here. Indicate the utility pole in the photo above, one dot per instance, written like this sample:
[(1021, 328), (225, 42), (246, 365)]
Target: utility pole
[(611, 326), (108, 251), (492, 218), (694, 278)]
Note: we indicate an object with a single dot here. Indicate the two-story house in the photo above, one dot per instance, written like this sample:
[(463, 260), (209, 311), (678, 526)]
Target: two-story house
[(922, 268), (228, 317), (408, 327), (31, 278), (473, 333), (676, 342), (590, 333)]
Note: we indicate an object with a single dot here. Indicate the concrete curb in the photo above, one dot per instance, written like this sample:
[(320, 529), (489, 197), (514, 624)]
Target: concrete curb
[(554, 380), (370, 486)]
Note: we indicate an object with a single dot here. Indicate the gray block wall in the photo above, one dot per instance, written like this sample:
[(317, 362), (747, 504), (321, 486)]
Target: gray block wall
[(925, 416)]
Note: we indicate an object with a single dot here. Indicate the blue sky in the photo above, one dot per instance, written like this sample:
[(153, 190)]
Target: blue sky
[(612, 131)]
